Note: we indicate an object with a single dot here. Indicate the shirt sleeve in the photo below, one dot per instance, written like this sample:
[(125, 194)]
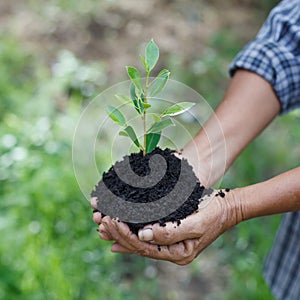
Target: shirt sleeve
[(275, 54)]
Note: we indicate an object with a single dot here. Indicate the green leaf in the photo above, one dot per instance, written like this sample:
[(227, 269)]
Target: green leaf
[(123, 133), (144, 63), (135, 77), (146, 105), (159, 83), (116, 115), (156, 117), (152, 140), (151, 55), (159, 126), (138, 105), (177, 109), (131, 133), (123, 98)]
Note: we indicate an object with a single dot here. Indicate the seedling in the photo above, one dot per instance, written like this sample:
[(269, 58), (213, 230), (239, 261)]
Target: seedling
[(139, 95)]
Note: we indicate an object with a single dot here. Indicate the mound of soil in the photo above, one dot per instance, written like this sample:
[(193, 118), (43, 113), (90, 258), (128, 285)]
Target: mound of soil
[(176, 169)]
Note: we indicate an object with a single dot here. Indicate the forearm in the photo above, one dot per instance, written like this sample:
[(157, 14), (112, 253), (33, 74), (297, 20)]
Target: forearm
[(249, 105), (277, 195)]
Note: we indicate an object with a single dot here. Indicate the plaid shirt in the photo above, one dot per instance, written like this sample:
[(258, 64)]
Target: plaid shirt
[(275, 55)]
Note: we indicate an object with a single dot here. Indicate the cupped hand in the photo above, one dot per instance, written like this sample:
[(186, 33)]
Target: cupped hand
[(179, 244), (97, 216)]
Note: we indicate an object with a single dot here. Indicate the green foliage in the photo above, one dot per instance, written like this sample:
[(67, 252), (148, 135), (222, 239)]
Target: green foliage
[(139, 97), (49, 247), (129, 131), (135, 77), (151, 56), (160, 125), (48, 244), (116, 115), (159, 83), (16, 75), (152, 140), (136, 100), (177, 109)]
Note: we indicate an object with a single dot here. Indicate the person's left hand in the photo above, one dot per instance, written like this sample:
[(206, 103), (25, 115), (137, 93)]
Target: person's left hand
[(178, 244)]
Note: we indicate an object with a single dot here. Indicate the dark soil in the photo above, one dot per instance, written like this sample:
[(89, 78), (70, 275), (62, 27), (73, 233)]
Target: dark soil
[(140, 165)]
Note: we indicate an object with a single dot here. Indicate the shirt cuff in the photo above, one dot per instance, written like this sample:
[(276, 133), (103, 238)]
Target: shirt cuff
[(275, 64)]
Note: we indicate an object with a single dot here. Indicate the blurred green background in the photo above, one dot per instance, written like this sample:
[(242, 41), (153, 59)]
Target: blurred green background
[(55, 56)]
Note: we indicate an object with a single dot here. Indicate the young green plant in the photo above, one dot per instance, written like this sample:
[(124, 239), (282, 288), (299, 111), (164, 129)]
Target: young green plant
[(139, 95)]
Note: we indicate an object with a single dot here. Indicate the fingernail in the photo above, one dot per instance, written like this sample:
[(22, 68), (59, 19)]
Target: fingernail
[(178, 155), (146, 235)]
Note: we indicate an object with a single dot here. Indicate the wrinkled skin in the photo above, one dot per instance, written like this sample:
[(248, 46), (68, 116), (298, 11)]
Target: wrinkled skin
[(178, 244)]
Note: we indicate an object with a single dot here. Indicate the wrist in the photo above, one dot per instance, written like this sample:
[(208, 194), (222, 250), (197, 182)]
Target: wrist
[(226, 208), (235, 207)]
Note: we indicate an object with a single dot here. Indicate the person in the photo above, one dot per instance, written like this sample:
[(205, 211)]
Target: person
[(265, 82)]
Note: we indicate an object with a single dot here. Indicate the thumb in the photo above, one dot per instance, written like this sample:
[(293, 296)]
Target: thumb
[(146, 234), (167, 235)]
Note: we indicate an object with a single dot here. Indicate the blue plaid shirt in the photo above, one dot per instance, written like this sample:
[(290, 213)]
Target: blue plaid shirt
[(275, 55)]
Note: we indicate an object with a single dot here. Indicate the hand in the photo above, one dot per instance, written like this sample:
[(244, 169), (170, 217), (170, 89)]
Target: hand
[(97, 218), (178, 244)]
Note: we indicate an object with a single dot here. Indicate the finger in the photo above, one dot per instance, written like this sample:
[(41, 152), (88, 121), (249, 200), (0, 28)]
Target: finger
[(174, 253), (125, 236), (171, 253), (190, 251), (129, 243), (131, 239), (171, 233), (120, 249), (93, 202), (146, 234), (110, 227), (97, 217), (104, 234)]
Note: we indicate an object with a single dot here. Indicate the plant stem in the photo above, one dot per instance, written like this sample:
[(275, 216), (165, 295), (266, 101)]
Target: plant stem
[(144, 122), (144, 113)]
